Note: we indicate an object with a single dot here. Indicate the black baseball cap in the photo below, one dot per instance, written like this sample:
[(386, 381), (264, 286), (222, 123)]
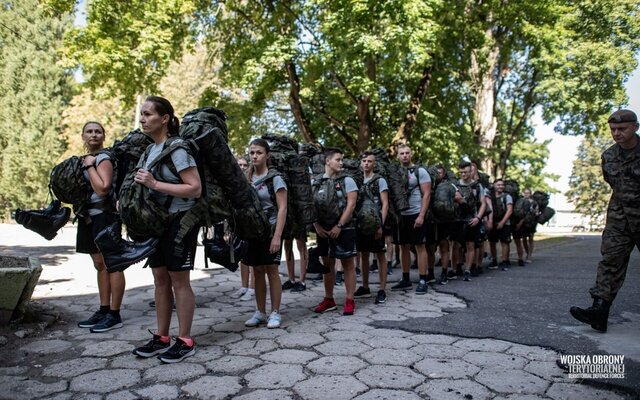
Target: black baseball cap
[(622, 116)]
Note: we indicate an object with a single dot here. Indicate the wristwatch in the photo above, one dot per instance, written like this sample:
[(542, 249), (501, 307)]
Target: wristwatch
[(340, 225)]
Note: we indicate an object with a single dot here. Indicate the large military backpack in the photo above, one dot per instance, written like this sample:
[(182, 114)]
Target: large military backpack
[(541, 198), (525, 209), (512, 188), (126, 153), (325, 200), (498, 206), (294, 169), (443, 202), (468, 193), (68, 184), (368, 217), (397, 183)]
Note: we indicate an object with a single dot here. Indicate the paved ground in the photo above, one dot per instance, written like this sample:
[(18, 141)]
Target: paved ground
[(399, 350)]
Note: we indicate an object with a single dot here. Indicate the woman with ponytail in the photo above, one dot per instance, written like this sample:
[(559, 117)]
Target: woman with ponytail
[(171, 272)]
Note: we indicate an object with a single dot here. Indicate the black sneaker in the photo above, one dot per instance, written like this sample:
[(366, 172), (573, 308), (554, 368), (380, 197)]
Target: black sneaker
[(153, 347), (494, 264), (402, 285), (431, 278), (362, 292), (374, 266), (443, 278), (93, 320), (521, 263), (451, 275), (474, 271), (339, 279), (288, 285), (466, 276), (178, 352), (422, 287), (298, 287), (108, 323), (381, 297), (504, 266)]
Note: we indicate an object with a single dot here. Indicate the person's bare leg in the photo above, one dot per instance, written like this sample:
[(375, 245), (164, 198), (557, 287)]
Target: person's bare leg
[(244, 275), (364, 262), (304, 258), (275, 288), (117, 285), (104, 285), (349, 267), (329, 279), (382, 270), (163, 298), (421, 258), (185, 301), (261, 288), (287, 246), (405, 257), (505, 252)]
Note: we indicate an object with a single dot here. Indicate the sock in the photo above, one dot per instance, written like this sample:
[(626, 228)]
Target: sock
[(164, 339), (405, 276), (103, 309), (115, 313), (423, 277), (187, 341)]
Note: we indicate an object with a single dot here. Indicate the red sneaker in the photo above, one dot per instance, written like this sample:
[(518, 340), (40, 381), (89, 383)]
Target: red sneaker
[(349, 307), (326, 305)]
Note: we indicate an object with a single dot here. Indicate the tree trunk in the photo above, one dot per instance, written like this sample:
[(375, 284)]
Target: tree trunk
[(403, 134), (363, 110), (296, 104)]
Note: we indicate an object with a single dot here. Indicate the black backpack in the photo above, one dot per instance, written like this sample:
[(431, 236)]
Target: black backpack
[(499, 206), (468, 193), (443, 201)]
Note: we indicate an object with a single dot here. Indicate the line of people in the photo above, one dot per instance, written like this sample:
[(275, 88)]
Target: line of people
[(338, 236)]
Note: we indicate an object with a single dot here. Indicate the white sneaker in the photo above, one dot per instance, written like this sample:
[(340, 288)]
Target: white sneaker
[(238, 293), (257, 319), (248, 295), (274, 320)]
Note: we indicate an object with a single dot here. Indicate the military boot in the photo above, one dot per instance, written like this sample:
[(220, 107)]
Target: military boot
[(597, 315), (45, 222), (118, 253)]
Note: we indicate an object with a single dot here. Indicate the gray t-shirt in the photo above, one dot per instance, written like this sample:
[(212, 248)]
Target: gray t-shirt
[(415, 193), (349, 186), (95, 197), (181, 160), (265, 197)]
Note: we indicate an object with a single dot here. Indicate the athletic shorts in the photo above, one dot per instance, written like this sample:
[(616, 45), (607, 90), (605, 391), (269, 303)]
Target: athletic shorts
[(521, 233), (405, 233), (369, 244), (430, 234), (342, 247), (500, 235), (258, 254), (165, 254), (444, 231), (463, 233), (88, 229), (298, 232)]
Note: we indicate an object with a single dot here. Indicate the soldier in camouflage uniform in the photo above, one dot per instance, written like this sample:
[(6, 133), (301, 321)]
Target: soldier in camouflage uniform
[(621, 170)]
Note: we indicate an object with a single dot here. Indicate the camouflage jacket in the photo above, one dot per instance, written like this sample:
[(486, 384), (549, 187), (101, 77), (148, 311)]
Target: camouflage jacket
[(623, 175)]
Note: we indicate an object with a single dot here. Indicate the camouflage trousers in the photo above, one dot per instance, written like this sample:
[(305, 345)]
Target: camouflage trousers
[(617, 244)]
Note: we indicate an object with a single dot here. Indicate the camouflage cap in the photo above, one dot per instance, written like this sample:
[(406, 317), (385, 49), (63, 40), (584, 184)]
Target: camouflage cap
[(622, 116)]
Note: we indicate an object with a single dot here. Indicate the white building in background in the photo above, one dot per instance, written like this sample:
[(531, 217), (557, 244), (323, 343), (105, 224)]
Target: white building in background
[(566, 218)]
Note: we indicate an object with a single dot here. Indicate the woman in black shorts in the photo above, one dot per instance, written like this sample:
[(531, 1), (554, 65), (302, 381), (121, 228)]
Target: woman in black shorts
[(264, 255), (171, 272), (94, 216)]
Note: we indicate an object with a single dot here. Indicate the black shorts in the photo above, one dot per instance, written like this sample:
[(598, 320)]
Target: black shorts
[(522, 233), (88, 229), (405, 233), (342, 247), (500, 235), (165, 254), (444, 231), (369, 244), (463, 233), (297, 232), (430, 233), (258, 254)]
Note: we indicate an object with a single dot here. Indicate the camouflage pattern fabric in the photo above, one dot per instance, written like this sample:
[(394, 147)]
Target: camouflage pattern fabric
[(126, 153), (368, 217), (68, 184), (622, 230), (444, 205)]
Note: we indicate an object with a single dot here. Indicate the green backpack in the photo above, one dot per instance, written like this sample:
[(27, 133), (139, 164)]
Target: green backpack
[(325, 200), (443, 202), (68, 184), (468, 193), (142, 215), (126, 153), (368, 218)]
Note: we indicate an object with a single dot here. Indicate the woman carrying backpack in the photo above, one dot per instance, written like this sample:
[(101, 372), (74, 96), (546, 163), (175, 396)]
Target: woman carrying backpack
[(171, 272), (264, 255), (95, 215)]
